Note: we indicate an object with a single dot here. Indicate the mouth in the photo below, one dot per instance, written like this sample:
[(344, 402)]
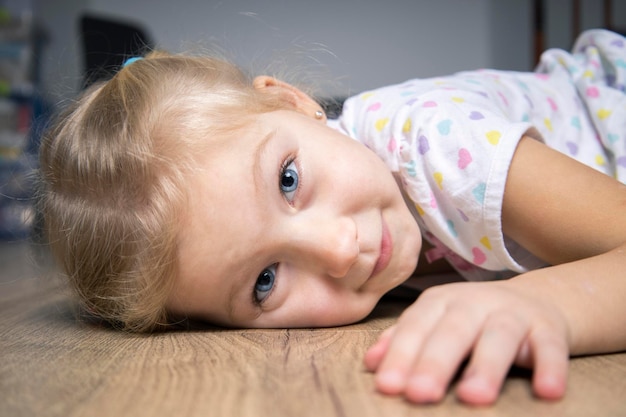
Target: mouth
[(386, 250)]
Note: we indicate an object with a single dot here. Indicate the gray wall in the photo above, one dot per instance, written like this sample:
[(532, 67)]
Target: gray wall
[(347, 45)]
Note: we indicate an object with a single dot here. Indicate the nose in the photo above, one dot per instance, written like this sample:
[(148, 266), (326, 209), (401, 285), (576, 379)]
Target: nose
[(330, 245)]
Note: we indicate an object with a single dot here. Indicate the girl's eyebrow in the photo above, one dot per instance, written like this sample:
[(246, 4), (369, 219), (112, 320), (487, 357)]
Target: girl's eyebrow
[(240, 280), (257, 155), (239, 284), (231, 303)]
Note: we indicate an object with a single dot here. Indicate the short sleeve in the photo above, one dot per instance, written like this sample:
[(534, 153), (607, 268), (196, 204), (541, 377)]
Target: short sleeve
[(452, 148)]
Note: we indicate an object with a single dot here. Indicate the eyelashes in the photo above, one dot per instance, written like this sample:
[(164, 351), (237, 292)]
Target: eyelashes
[(289, 180), (264, 284)]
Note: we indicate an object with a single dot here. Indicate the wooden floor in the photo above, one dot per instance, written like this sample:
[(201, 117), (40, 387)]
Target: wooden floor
[(51, 364)]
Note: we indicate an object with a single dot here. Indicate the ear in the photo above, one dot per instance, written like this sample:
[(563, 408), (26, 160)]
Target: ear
[(299, 100)]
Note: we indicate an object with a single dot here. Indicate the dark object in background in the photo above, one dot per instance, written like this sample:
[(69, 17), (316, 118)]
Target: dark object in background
[(107, 44)]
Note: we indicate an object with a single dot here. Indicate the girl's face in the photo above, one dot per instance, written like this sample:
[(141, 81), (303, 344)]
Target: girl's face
[(292, 224)]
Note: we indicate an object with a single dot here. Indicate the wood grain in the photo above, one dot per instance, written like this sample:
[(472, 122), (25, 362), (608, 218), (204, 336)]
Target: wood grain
[(53, 364)]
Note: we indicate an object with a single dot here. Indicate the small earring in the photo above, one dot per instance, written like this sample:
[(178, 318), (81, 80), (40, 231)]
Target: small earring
[(319, 115)]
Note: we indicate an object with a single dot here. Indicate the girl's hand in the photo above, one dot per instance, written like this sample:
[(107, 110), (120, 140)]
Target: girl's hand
[(492, 323), (570, 216)]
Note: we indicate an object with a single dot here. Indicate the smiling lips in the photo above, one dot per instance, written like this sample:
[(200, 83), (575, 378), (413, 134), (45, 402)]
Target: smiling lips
[(386, 249)]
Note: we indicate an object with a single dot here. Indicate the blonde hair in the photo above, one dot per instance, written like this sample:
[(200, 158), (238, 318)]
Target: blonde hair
[(113, 173)]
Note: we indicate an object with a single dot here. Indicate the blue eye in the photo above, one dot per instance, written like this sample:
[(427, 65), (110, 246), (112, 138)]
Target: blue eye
[(289, 179), (264, 284)]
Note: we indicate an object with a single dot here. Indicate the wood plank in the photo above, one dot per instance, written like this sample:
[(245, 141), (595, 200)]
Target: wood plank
[(53, 364)]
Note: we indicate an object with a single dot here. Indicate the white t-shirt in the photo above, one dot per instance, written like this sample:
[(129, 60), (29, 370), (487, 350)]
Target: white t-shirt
[(451, 140)]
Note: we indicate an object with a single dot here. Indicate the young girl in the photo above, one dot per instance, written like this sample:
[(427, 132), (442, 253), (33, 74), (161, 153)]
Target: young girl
[(180, 188)]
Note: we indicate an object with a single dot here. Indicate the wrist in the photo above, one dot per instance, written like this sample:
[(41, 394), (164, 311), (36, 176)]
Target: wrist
[(553, 302)]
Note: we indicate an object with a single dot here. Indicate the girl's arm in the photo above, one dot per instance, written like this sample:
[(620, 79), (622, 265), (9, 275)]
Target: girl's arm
[(565, 213), (574, 217)]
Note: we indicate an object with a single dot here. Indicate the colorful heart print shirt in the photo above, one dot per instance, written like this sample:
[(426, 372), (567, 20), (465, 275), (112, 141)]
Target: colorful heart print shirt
[(450, 141)]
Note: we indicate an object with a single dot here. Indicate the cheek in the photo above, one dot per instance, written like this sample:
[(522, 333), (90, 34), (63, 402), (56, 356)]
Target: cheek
[(321, 307), (342, 309)]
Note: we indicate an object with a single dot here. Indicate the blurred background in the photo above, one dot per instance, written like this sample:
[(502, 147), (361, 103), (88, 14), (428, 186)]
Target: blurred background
[(51, 49)]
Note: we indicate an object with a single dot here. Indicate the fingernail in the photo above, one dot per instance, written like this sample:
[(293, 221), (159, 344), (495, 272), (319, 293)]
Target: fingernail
[(476, 390), (424, 389), (388, 381)]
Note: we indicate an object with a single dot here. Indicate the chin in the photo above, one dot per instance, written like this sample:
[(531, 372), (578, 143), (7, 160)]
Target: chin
[(399, 275), (411, 259)]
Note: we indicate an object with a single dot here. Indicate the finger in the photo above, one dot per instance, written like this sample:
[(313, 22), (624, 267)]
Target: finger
[(524, 358), (376, 353), (493, 355), (442, 354), (551, 358), (414, 325)]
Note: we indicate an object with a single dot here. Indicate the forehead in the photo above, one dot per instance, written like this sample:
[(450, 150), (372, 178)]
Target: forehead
[(220, 188), (216, 243)]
